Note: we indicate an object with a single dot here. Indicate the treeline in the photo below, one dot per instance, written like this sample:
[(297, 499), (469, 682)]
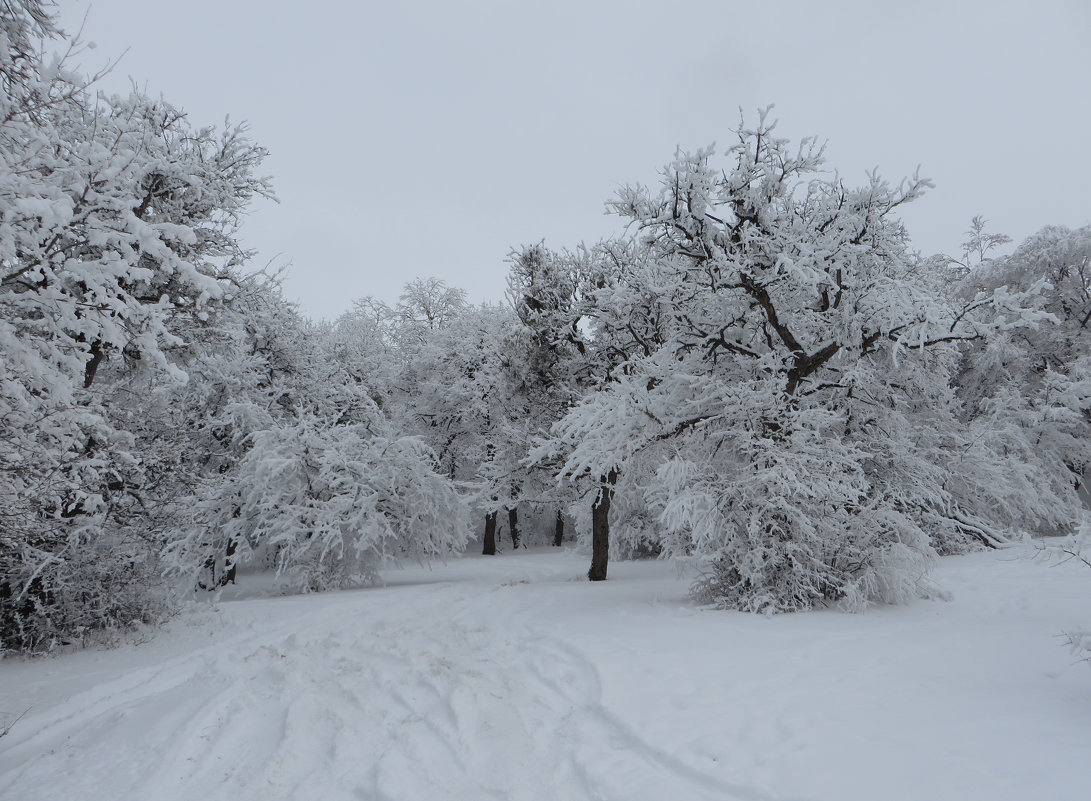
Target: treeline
[(760, 373)]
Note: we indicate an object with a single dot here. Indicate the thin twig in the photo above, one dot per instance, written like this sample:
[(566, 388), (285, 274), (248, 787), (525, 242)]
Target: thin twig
[(8, 728)]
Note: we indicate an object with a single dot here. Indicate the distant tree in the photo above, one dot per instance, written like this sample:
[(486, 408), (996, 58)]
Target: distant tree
[(427, 304), (979, 243), (442, 371), (295, 464), (363, 343), (253, 364), (569, 353), (330, 504), (1028, 392)]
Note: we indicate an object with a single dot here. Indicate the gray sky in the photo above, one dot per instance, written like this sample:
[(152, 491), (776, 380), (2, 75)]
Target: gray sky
[(429, 138)]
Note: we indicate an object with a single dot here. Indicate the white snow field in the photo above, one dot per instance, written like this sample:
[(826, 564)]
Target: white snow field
[(513, 677)]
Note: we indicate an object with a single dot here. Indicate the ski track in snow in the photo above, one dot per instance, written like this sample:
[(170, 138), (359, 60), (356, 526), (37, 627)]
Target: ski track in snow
[(514, 679), (403, 703)]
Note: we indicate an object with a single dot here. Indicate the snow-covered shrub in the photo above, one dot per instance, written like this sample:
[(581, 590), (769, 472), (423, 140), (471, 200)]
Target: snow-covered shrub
[(83, 584), (792, 519), (328, 506)]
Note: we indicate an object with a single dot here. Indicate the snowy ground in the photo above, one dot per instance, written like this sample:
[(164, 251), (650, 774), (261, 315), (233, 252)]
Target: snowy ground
[(514, 678)]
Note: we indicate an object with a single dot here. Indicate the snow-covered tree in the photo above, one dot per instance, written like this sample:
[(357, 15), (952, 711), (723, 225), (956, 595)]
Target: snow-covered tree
[(288, 440), (329, 504), (118, 218), (425, 305), (553, 294), (466, 380), (789, 391), (363, 342), (980, 242), (1028, 392)]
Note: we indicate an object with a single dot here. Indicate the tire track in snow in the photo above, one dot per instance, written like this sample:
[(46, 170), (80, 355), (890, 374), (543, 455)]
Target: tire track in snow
[(613, 760), (360, 699)]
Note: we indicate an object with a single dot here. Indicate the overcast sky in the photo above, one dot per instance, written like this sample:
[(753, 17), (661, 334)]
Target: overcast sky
[(430, 138)]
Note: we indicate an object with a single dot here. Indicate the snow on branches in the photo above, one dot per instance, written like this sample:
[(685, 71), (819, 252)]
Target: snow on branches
[(153, 399), (795, 403), (328, 505), (116, 217)]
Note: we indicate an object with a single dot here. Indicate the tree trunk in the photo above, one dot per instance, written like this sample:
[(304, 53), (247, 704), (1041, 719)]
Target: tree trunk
[(513, 524), (558, 531), (600, 527), (226, 572), (490, 535), (229, 563), (89, 370)]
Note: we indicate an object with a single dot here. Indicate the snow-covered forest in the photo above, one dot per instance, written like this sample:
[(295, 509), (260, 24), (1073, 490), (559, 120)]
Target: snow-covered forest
[(759, 381)]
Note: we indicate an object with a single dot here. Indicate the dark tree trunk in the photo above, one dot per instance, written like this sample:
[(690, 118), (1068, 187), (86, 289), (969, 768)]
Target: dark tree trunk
[(558, 531), (513, 524), (89, 370), (226, 573), (229, 563), (600, 527), (490, 535)]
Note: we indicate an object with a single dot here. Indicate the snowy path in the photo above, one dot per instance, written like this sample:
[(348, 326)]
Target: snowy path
[(510, 679)]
